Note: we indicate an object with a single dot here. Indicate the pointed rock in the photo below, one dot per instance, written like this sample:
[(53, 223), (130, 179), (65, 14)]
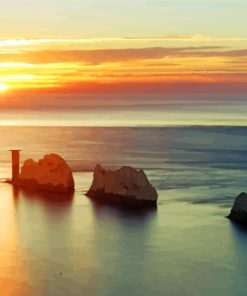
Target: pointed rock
[(125, 185), (50, 173), (239, 210)]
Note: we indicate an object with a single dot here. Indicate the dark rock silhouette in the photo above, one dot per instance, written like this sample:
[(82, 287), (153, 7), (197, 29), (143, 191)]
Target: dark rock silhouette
[(15, 153), (239, 210), (125, 185), (52, 173)]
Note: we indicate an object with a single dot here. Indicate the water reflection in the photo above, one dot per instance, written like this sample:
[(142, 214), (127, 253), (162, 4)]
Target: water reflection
[(239, 232), (55, 205), (122, 245), (122, 211), (239, 259), (13, 273), (16, 192), (42, 221)]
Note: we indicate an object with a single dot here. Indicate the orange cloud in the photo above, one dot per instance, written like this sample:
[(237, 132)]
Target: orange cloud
[(115, 55), (151, 69)]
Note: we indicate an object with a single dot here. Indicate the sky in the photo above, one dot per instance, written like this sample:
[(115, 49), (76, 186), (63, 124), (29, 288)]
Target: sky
[(65, 54)]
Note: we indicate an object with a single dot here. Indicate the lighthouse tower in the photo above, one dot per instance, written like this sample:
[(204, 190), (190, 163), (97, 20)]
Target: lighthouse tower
[(15, 164)]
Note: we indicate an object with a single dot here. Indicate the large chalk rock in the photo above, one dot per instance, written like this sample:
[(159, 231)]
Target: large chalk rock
[(124, 185), (51, 173), (239, 209)]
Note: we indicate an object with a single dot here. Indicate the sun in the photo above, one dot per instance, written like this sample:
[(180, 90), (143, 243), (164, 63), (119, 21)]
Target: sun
[(3, 87)]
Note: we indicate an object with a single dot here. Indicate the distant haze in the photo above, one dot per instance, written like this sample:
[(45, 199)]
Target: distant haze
[(129, 110)]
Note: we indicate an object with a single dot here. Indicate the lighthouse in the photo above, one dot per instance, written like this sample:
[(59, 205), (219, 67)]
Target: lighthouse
[(15, 164)]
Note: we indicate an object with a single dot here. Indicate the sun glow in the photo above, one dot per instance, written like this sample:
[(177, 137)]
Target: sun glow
[(3, 87)]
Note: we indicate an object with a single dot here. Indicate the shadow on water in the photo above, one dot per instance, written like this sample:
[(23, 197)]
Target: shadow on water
[(122, 211), (123, 232), (239, 230), (53, 203), (16, 192), (239, 234)]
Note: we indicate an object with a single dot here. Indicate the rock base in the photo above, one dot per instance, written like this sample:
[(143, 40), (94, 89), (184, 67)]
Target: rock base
[(130, 201), (51, 173), (33, 184), (239, 210), (239, 217)]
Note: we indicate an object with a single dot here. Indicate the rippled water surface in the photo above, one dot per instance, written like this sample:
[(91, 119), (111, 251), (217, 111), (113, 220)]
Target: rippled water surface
[(72, 246)]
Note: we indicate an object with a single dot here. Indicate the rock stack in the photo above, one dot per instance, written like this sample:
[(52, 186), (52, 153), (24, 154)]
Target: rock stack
[(51, 173), (125, 185), (239, 210)]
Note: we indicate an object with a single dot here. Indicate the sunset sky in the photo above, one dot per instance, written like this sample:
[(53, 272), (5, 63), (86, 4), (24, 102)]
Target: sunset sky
[(60, 52)]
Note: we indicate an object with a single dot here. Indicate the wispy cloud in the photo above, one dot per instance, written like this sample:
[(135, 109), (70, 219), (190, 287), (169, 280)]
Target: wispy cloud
[(25, 64), (117, 55), (23, 42)]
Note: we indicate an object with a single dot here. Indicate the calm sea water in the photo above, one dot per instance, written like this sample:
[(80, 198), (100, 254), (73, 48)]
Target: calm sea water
[(56, 246)]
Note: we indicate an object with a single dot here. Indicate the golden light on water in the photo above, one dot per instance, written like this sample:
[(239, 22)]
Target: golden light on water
[(3, 87)]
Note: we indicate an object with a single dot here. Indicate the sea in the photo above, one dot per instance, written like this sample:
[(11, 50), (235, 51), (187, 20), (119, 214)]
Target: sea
[(52, 245)]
